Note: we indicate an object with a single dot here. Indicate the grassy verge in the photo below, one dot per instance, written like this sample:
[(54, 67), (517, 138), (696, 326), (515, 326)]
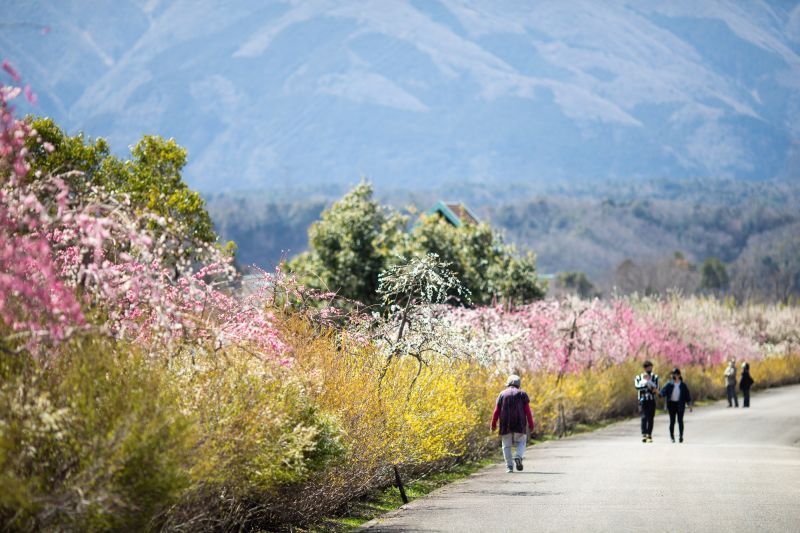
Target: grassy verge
[(381, 502), (584, 427)]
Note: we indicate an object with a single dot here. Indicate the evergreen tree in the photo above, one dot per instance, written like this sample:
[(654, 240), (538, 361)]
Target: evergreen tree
[(357, 239), (714, 275), (351, 246)]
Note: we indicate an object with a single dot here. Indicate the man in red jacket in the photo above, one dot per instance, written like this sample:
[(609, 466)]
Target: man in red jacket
[(513, 410)]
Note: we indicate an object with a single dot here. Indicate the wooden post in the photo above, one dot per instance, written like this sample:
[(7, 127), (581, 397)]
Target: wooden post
[(563, 428), (400, 484)]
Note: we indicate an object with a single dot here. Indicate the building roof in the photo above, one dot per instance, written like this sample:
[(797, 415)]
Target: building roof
[(455, 213)]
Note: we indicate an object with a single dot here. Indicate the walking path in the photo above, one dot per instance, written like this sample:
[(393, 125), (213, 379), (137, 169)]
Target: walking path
[(739, 470)]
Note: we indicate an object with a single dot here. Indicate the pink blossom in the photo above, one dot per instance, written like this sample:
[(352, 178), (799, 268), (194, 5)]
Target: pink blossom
[(54, 245), (11, 71), (570, 336), (30, 95), (9, 93)]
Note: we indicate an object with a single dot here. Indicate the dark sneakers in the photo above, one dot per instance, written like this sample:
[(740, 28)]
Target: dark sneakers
[(518, 462)]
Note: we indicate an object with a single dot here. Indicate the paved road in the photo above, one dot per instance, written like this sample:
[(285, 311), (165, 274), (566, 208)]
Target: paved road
[(739, 470)]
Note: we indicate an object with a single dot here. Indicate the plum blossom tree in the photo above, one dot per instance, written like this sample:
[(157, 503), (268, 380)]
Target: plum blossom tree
[(33, 297), (570, 335), (410, 324), (67, 255)]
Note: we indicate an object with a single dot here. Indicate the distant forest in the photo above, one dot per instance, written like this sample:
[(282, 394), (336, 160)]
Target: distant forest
[(648, 237)]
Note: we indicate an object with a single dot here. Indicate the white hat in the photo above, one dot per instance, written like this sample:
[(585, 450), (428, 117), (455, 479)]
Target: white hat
[(513, 381)]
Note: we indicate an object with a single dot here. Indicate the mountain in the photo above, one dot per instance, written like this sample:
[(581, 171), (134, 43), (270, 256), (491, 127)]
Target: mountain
[(596, 232), (425, 93)]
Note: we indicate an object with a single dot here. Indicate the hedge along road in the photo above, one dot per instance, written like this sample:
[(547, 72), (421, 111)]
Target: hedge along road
[(738, 470)]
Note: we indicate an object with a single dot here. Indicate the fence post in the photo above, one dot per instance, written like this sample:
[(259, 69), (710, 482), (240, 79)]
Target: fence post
[(400, 484)]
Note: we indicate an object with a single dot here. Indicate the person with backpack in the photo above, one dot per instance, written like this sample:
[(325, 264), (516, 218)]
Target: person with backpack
[(677, 397), (730, 384), (513, 411), (646, 385), (745, 383)]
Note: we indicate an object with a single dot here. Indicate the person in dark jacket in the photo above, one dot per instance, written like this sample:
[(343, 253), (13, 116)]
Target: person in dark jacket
[(646, 384), (513, 411), (677, 396), (745, 382)]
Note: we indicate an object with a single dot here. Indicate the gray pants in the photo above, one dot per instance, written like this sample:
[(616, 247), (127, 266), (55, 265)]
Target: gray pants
[(732, 397), (509, 440)]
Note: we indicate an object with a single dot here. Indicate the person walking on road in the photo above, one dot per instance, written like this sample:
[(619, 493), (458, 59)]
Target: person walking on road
[(745, 383), (646, 384), (730, 384), (678, 397), (513, 411)]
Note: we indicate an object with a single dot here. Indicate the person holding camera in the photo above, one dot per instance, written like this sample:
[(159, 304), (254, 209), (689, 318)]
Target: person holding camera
[(646, 384), (730, 384), (678, 397), (513, 411)]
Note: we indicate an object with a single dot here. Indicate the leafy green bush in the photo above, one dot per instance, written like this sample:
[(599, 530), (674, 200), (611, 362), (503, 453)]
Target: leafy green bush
[(93, 441), (105, 438), (259, 434), (259, 429), (357, 238)]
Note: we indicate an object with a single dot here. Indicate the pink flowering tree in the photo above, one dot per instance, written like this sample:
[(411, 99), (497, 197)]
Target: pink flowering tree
[(66, 256), (571, 335), (34, 300)]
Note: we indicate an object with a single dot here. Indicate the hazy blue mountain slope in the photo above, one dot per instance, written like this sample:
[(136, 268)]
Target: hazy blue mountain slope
[(425, 92), (596, 234)]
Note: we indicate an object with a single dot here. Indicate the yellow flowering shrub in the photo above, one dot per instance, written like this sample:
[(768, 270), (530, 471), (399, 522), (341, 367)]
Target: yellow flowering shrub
[(209, 440), (95, 441), (429, 419), (407, 415)]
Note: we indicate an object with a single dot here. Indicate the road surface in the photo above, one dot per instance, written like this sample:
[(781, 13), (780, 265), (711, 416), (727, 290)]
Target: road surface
[(738, 470)]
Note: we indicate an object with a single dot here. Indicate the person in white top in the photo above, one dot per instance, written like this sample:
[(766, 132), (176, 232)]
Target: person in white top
[(730, 384), (646, 385), (678, 397), (676, 394)]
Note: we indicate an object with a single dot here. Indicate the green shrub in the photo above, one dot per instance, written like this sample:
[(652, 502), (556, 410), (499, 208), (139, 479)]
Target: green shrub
[(94, 440), (102, 437), (260, 434)]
